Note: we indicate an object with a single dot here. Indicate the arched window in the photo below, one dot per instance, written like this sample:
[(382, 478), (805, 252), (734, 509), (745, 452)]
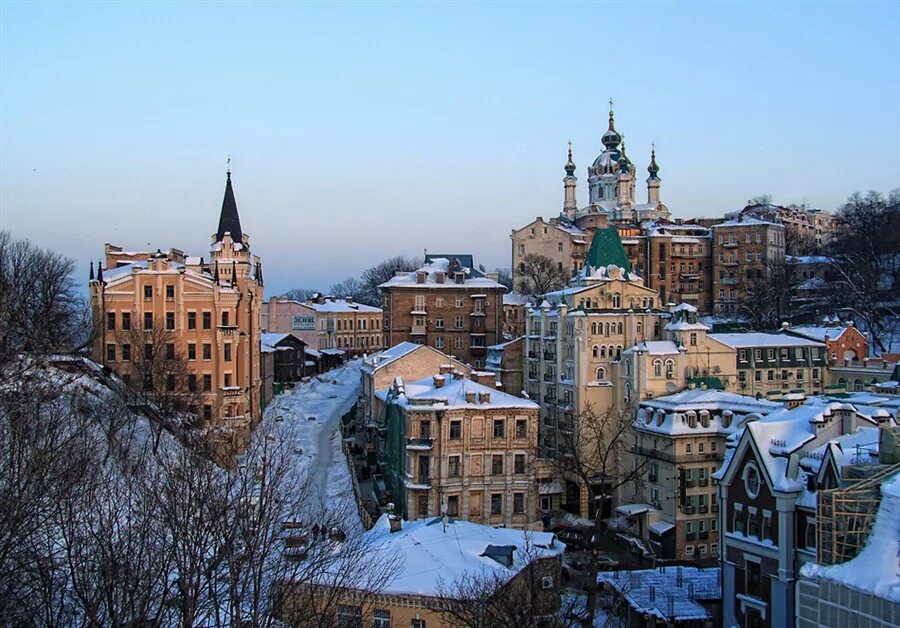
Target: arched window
[(640, 328), (670, 369), (644, 303), (834, 355), (651, 302), (619, 352), (627, 392), (602, 351), (607, 329), (601, 374), (617, 300), (621, 328), (842, 382), (657, 368), (628, 367), (593, 328), (857, 385), (595, 351)]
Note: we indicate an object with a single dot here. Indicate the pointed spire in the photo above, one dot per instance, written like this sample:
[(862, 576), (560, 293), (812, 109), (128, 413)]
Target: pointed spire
[(259, 275), (99, 271), (233, 272), (91, 276), (229, 220), (216, 272), (570, 165), (653, 168), (611, 138)]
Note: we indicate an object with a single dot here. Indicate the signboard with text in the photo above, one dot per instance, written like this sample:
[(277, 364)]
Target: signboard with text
[(303, 322)]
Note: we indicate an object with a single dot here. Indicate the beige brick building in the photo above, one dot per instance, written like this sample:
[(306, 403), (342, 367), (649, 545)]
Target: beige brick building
[(744, 250), (447, 304), (462, 444), (155, 307), (327, 322)]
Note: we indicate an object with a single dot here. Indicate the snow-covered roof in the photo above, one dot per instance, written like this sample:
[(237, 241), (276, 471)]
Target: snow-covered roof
[(655, 347), (674, 411), (271, 339), (452, 394), (762, 339), (667, 593), (516, 298), (684, 307), (432, 555), (818, 333), (807, 259), (387, 356), (472, 279), (660, 527), (631, 510), (875, 569), (745, 220), (341, 306)]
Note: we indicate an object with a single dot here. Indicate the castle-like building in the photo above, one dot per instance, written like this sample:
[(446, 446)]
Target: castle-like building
[(184, 330)]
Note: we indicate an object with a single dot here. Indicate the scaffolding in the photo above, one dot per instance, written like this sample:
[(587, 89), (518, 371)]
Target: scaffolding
[(845, 515)]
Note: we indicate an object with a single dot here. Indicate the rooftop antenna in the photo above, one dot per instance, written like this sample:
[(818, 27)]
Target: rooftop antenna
[(610, 105), (229, 165)]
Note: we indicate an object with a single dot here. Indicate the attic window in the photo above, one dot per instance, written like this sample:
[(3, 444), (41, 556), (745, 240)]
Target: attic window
[(751, 480), (503, 554), (459, 277)]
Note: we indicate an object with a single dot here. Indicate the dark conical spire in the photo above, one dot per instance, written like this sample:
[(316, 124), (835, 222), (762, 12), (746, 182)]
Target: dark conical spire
[(91, 276), (653, 168), (233, 272), (229, 220), (570, 165), (216, 273), (259, 276), (99, 271)]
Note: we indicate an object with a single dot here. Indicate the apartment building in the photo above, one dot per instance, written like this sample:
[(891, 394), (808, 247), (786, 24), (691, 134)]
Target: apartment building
[(767, 492), (776, 363), (679, 442), (744, 251), (460, 445), (447, 304), (327, 322), (167, 306), (806, 229)]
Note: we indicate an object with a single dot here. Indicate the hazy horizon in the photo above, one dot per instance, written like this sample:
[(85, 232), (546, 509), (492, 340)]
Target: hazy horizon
[(360, 131)]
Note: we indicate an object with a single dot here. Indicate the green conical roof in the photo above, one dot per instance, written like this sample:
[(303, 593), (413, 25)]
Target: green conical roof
[(606, 249)]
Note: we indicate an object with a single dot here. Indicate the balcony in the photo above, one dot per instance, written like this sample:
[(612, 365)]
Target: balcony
[(417, 330), (730, 245), (715, 507), (703, 534), (231, 391), (730, 262), (703, 510), (228, 330), (703, 482), (689, 276), (550, 356), (689, 483), (419, 444), (688, 510), (730, 281), (548, 377), (423, 482), (477, 313), (690, 536), (418, 310)]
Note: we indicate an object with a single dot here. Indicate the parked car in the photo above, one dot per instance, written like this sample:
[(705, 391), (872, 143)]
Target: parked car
[(572, 538)]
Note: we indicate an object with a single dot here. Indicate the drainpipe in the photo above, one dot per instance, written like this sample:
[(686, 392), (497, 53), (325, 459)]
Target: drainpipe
[(440, 416)]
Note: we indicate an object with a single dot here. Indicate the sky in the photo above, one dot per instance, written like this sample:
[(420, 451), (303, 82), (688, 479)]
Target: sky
[(359, 131)]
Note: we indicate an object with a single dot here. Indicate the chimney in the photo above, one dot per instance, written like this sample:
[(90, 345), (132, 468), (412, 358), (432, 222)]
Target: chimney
[(470, 396), (485, 378), (445, 369), (484, 397), (395, 522), (458, 374), (438, 381), (349, 299), (785, 325), (439, 276), (420, 276)]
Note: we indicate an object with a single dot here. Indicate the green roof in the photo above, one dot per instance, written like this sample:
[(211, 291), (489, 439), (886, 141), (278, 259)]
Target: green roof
[(606, 249), (713, 383)]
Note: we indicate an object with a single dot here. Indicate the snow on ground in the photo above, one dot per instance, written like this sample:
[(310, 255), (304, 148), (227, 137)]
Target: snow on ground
[(320, 458)]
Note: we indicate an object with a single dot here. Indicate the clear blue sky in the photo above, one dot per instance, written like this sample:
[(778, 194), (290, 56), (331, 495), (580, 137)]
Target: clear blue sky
[(359, 131)]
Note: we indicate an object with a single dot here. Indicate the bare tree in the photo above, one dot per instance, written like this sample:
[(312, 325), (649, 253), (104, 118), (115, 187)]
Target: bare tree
[(760, 199), (593, 450), (299, 294), (349, 287), (40, 309), (505, 278), (864, 255), (374, 276), (769, 292), (537, 275)]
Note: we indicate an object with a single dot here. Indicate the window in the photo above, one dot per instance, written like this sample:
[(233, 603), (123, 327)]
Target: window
[(170, 321), (459, 301), (738, 523), (381, 618), (439, 322), (455, 430), (148, 351), (207, 382), (192, 320), (767, 525), (521, 428), (207, 351), (770, 376), (148, 292), (688, 449), (453, 467), (757, 376), (170, 382), (460, 322), (657, 368), (499, 428), (349, 616), (754, 579), (126, 321), (110, 320), (751, 479), (497, 464), (192, 382), (126, 352), (170, 293), (670, 369), (518, 503), (424, 429), (694, 339), (110, 353), (227, 382), (496, 504), (170, 350), (458, 342), (439, 342), (207, 320), (225, 319), (227, 351), (192, 351), (207, 412), (453, 506), (422, 506), (417, 623), (519, 463), (810, 533), (148, 320)]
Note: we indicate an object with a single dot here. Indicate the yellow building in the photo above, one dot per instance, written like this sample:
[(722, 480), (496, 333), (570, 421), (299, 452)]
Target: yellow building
[(154, 309)]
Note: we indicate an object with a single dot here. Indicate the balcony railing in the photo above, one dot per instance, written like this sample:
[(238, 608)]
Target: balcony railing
[(688, 510), (418, 330), (690, 536), (419, 443), (703, 510), (702, 482), (715, 507), (730, 245)]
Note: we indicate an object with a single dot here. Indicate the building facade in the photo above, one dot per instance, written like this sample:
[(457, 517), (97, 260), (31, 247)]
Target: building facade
[(460, 445), (327, 322), (154, 309), (446, 304)]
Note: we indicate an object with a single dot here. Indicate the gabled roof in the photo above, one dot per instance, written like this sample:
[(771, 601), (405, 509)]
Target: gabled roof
[(228, 219), (817, 333), (464, 260), (606, 249)]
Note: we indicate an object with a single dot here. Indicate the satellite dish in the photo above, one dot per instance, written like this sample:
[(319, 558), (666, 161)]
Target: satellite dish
[(717, 370), (670, 387), (481, 267)]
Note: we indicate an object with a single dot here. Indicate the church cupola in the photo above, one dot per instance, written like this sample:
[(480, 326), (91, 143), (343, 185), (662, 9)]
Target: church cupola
[(611, 138), (570, 205), (653, 179)]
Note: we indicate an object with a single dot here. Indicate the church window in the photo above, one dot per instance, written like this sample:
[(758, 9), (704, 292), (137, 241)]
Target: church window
[(670, 369), (640, 328), (601, 374), (693, 339), (620, 327), (657, 368), (617, 300), (595, 351)]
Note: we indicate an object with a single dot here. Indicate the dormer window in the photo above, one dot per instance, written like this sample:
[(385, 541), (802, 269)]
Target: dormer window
[(751, 480), (460, 277)]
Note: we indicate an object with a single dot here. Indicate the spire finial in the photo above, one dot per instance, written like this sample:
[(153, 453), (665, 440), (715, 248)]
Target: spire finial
[(228, 163), (570, 165), (91, 276), (610, 107)]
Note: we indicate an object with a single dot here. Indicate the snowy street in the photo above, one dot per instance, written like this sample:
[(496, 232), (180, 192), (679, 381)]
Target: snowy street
[(310, 417)]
